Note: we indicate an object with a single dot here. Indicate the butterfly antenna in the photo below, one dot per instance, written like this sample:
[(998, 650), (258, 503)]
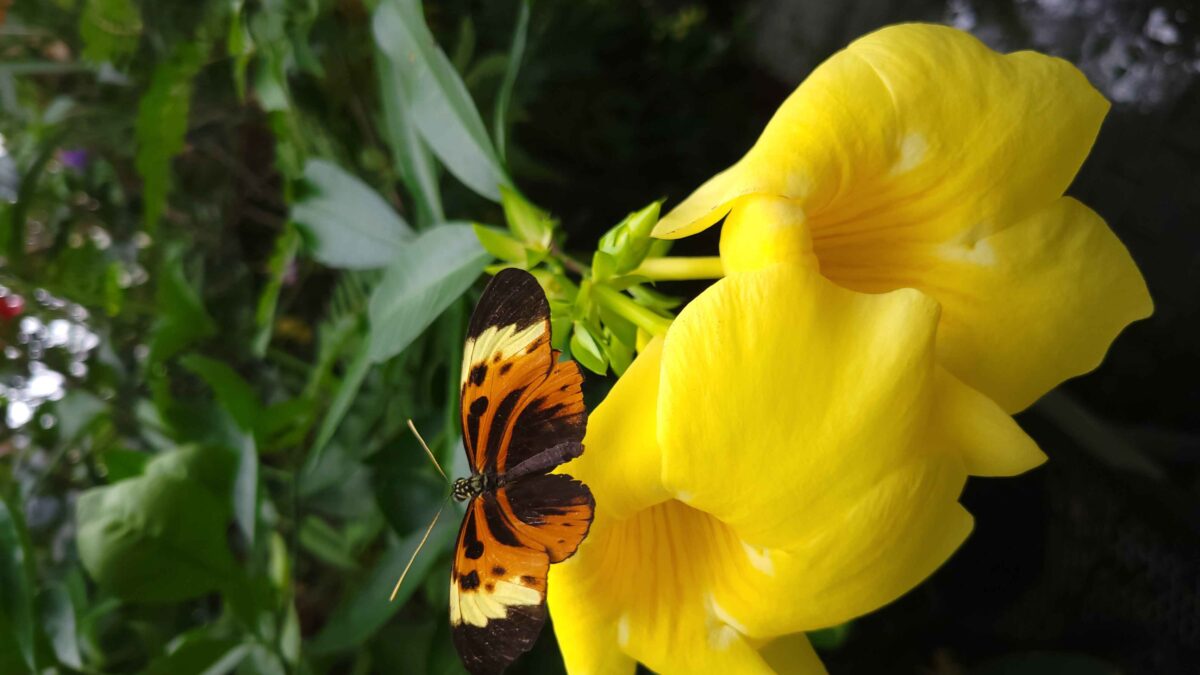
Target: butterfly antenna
[(428, 452), (421, 545)]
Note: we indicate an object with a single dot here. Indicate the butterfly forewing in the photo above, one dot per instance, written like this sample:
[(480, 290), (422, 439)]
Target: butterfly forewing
[(522, 414)]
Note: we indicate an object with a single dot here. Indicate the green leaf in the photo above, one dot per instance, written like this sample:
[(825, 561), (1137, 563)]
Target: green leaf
[(323, 541), (500, 243), (425, 278), (286, 245), (441, 107), (160, 537), (352, 380), (200, 651), (418, 170), (110, 29), (365, 610), (182, 319), (234, 394), (532, 225), (585, 349), (16, 586), (161, 125), (504, 98), (353, 227), (618, 352), (628, 243), (59, 623)]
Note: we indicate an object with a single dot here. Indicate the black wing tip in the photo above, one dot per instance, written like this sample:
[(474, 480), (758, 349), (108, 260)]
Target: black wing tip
[(497, 307)]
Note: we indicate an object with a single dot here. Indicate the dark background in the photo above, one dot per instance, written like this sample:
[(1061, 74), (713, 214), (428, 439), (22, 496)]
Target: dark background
[(1097, 552)]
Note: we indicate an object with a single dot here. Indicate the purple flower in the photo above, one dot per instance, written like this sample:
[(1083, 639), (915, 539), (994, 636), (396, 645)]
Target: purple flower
[(74, 158)]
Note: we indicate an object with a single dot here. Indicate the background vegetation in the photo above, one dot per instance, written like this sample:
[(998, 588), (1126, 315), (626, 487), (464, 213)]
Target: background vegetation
[(236, 259)]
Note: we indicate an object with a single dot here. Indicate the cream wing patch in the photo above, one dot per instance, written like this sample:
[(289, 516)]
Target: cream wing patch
[(476, 607), (499, 343)]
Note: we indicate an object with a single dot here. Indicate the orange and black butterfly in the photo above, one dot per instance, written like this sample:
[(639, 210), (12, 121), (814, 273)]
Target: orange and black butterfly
[(522, 416)]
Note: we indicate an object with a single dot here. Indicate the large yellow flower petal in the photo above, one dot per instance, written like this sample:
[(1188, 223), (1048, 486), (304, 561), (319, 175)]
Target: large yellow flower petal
[(784, 398), (914, 131), (1031, 305), (919, 158), (644, 586)]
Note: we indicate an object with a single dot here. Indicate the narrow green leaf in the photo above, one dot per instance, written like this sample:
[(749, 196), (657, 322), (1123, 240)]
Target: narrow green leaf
[(286, 245), (532, 225), (200, 651), (352, 380), (418, 170), (425, 278), (352, 225), (368, 608), (504, 98), (442, 108), (161, 125), (16, 583), (500, 243), (320, 539), (60, 625), (585, 349)]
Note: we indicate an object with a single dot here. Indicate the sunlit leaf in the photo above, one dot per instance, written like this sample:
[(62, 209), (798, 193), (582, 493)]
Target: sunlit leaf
[(426, 276), (441, 107), (410, 154), (351, 225)]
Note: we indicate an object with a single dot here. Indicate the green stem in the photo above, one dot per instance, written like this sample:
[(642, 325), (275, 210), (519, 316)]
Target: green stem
[(681, 269), (624, 306)]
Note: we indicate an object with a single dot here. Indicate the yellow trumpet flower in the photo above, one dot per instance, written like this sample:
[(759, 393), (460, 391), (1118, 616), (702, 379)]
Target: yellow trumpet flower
[(791, 454)]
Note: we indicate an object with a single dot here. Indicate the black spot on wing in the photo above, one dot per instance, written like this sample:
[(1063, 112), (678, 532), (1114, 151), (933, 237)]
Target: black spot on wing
[(469, 581), (499, 571), (479, 406), (505, 368), (473, 550), (512, 297), (478, 374)]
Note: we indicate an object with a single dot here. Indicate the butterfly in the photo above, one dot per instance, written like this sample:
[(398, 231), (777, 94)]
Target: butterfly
[(522, 416)]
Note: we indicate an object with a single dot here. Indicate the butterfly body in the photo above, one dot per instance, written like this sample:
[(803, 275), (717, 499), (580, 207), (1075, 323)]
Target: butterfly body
[(522, 416)]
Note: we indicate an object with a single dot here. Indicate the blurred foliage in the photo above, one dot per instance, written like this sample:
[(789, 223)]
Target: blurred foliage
[(241, 241)]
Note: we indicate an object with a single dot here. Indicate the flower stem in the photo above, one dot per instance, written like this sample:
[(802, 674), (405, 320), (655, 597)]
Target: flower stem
[(681, 269), (622, 305)]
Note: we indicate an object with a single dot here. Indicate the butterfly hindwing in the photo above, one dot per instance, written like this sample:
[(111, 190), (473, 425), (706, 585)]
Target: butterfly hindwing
[(497, 590)]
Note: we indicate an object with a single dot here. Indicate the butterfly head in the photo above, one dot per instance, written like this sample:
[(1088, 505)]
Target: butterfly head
[(472, 486)]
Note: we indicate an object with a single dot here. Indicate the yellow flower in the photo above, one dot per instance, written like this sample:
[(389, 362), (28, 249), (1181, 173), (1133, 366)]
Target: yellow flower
[(790, 456), (919, 158)]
